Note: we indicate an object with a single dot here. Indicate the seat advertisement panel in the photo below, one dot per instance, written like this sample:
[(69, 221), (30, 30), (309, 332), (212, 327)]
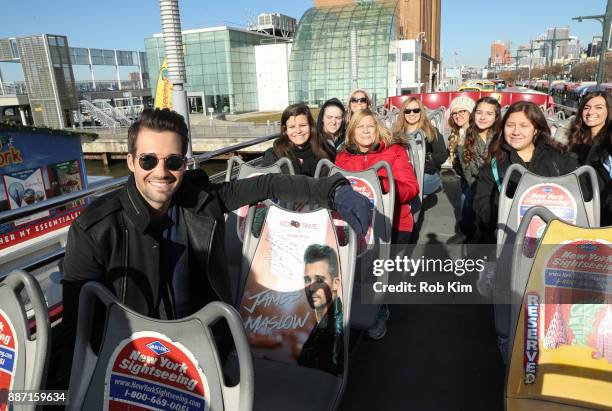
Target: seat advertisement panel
[(8, 356), (150, 371), (552, 196), (292, 302), (562, 351), (35, 166)]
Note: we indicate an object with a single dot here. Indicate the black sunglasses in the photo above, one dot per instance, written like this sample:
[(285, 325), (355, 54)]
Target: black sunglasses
[(412, 110), (149, 161), (359, 100)]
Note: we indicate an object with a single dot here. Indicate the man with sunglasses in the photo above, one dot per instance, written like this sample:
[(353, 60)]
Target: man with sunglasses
[(157, 243)]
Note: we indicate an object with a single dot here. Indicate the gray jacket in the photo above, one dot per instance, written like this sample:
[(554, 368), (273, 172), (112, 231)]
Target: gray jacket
[(470, 169)]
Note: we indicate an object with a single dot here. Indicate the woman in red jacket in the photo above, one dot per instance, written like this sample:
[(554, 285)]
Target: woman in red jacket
[(368, 142)]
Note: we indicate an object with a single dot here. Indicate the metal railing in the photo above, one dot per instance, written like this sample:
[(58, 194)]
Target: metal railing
[(13, 87), (116, 113), (99, 114)]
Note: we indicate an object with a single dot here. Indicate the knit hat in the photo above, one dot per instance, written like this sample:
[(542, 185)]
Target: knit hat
[(463, 102)]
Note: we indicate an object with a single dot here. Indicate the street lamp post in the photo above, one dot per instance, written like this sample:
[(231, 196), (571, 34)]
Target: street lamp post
[(605, 20), (552, 42), (173, 43)]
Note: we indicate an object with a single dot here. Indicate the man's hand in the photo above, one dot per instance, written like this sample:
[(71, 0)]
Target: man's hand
[(353, 207)]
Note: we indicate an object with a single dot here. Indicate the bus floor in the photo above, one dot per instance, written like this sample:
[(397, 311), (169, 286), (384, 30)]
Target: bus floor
[(433, 357)]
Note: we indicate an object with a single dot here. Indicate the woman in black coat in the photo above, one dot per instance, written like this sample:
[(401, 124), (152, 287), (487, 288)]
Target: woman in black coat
[(299, 142), (599, 157), (590, 141), (525, 139)]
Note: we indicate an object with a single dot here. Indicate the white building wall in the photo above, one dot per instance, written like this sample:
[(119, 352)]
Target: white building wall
[(272, 69), (409, 56)]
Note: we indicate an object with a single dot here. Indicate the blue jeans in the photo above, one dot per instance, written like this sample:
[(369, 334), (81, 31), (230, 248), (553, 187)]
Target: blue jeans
[(431, 183)]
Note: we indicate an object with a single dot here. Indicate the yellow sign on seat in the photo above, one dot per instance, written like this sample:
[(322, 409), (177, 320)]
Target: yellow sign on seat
[(562, 352)]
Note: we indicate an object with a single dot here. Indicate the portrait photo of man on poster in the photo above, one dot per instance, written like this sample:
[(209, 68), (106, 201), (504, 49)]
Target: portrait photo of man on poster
[(322, 286)]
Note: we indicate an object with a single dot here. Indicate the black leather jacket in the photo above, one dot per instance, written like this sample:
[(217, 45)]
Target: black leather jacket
[(597, 154), (546, 161), (110, 241)]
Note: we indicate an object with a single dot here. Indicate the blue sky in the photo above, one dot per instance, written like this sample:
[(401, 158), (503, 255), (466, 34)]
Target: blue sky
[(468, 26)]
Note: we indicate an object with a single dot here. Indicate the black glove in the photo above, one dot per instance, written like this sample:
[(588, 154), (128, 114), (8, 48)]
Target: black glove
[(353, 207)]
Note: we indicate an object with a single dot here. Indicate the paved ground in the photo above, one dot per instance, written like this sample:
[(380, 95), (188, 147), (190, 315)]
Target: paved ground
[(434, 357)]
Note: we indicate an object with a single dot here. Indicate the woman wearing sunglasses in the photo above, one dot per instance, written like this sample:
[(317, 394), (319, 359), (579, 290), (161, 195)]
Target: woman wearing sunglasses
[(359, 99), (368, 142), (299, 141), (411, 119)]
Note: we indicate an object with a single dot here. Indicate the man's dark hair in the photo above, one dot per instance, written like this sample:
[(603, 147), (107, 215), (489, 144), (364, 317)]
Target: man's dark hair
[(319, 252), (159, 120)]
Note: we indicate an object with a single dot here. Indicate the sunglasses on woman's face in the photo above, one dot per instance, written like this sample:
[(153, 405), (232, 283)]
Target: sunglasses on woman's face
[(412, 110), (359, 100), (149, 161)]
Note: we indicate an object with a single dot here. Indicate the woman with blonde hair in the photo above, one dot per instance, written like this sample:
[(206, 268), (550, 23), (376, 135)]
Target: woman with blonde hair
[(411, 119), (368, 142), (359, 99)]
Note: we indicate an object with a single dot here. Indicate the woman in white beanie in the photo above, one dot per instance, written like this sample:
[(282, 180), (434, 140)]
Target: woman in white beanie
[(459, 120)]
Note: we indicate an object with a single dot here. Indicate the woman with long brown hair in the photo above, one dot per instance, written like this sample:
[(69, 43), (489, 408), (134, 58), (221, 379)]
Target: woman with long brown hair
[(525, 139), (412, 118), (299, 141), (594, 114), (484, 125), (591, 141), (368, 142)]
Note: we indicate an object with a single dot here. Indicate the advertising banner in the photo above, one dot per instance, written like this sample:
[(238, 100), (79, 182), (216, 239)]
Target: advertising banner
[(563, 351), (35, 166), (8, 355), (292, 303), (149, 371)]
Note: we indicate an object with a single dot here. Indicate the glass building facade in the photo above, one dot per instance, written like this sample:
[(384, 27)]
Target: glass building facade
[(220, 64), (50, 82), (321, 63)]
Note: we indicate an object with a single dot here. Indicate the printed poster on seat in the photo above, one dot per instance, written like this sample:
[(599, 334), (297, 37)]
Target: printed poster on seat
[(24, 188), (150, 371), (292, 303), (552, 196), (563, 345), (8, 355)]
